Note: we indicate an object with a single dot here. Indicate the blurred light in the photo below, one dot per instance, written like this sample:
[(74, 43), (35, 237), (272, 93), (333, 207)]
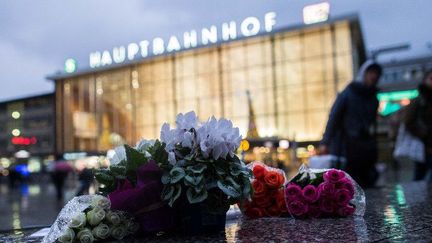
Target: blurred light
[(316, 13), (268, 144), (5, 172), (284, 144), (5, 162), (129, 106), (16, 115), (74, 156), (16, 132), (244, 145), (22, 154), (310, 148), (23, 140), (22, 169), (405, 102), (34, 190), (70, 65), (34, 166)]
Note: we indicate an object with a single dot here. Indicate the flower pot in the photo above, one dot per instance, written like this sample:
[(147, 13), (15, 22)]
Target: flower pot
[(196, 219)]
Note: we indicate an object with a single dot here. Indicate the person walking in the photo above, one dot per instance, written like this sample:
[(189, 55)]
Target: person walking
[(350, 130), (86, 179), (418, 121)]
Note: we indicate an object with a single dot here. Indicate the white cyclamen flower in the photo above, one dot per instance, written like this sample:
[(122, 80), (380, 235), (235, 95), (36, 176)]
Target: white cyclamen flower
[(117, 156), (171, 158), (144, 144), (168, 137), (187, 121)]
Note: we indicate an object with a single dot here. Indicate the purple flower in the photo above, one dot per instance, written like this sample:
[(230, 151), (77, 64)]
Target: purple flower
[(310, 193), (326, 205), (346, 211), (297, 208), (314, 211), (326, 189), (333, 175), (293, 191), (342, 197), (345, 183)]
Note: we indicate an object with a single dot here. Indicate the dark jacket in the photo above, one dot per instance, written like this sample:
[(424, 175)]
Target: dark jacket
[(352, 116), (418, 117)]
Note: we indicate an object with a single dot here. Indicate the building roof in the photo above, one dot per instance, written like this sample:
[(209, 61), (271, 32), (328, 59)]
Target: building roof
[(353, 18), (20, 99)]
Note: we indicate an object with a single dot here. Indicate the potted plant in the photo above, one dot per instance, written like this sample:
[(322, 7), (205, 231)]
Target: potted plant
[(202, 175)]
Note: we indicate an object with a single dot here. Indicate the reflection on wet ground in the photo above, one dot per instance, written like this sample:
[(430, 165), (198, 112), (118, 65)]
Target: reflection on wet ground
[(395, 212)]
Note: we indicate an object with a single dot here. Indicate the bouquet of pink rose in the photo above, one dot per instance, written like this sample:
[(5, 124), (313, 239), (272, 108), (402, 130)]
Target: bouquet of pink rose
[(324, 193)]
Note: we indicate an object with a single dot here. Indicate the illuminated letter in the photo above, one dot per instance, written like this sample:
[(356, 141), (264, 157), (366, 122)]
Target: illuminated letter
[(158, 46), (119, 54), (95, 59), (132, 50), (250, 21), (173, 44), (209, 35), (106, 58), (190, 39), (229, 31), (269, 21), (144, 48)]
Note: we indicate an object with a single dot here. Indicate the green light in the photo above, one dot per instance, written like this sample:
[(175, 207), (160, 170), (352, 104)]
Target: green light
[(397, 95), (390, 108), (70, 65)]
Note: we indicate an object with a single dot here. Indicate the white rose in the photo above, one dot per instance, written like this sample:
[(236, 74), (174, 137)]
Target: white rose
[(102, 231), (85, 236), (114, 218), (118, 232), (78, 221), (102, 202), (67, 236), (95, 216)]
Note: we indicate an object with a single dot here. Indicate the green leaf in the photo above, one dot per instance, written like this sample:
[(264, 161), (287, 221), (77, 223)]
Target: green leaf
[(176, 174), (220, 171), (134, 158), (233, 182), (166, 178), (198, 168), (167, 192), (177, 193), (158, 153), (104, 177), (228, 189), (193, 180), (195, 197), (118, 170)]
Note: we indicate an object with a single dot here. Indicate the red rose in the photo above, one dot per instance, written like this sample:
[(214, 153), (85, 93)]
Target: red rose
[(259, 171), (274, 179), (253, 212), (259, 188), (262, 201), (280, 201), (273, 211)]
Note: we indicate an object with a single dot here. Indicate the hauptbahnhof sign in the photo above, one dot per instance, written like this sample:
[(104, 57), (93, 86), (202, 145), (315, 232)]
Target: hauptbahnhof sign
[(231, 30)]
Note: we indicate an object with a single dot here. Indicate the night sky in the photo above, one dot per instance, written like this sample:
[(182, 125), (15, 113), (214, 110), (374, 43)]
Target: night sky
[(37, 36)]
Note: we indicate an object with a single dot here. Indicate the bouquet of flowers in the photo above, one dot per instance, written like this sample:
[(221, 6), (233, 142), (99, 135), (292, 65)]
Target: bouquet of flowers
[(324, 193), (88, 219), (268, 193)]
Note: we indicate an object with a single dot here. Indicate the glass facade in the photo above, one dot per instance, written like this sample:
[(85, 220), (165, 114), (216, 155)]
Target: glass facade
[(293, 77)]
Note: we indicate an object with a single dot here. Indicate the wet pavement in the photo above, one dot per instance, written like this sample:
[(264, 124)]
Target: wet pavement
[(395, 212)]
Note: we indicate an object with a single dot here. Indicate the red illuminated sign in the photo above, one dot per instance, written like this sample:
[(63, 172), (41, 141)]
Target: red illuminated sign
[(23, 140)]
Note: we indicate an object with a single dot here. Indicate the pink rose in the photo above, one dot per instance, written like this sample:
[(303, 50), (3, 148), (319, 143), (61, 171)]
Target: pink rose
[(293, 191), (333, 175), (326, 205), (314, 211), (346, 211), (297, 208), (310, 193), (345, 183), (342, 197), (326, 189)]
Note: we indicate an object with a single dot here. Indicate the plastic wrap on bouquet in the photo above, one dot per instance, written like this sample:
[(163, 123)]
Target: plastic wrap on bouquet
[(268, 196), (324, 193), (143, 200), (74, 207)]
